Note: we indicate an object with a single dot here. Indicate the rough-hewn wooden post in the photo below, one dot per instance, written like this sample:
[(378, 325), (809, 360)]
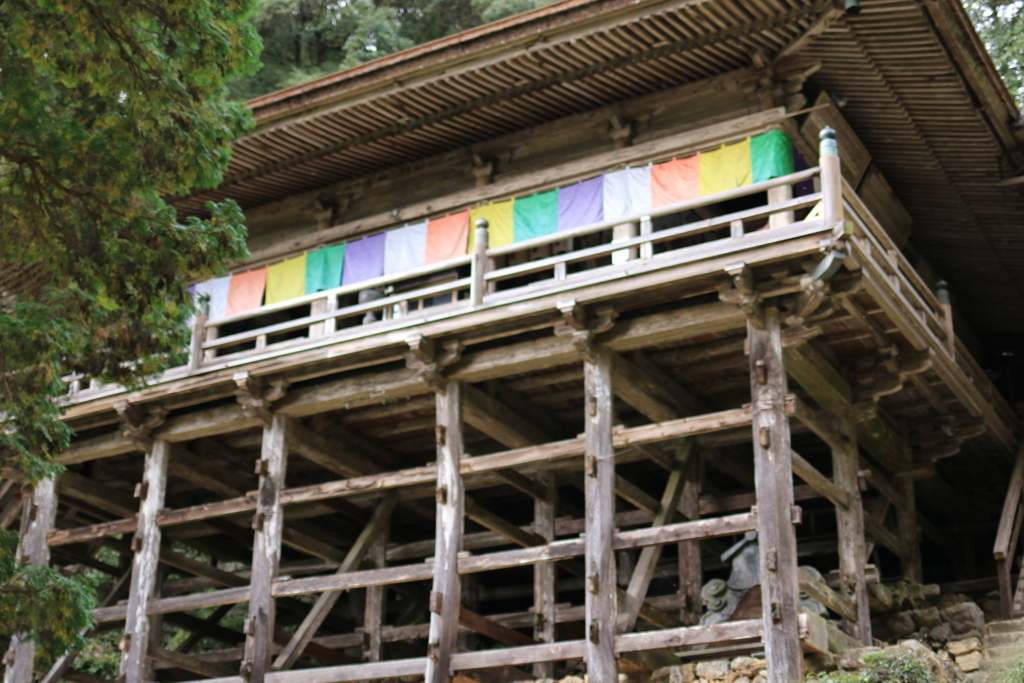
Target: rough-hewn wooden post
[(690, 573), (145, 566), (774, 482), (38, 515), (268, 524), (599, 477), (850, 527), (544, 573), (445, 599), (909, 533), (376, 600)]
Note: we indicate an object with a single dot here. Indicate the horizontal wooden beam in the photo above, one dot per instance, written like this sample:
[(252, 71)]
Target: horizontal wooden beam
[(820, 591), (558, 550), (378, 483)]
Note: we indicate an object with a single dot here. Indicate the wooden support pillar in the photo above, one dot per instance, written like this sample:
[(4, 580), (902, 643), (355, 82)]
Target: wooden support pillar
[(38, 515), (545, 596), (376, 601), (621, 233), (850, 527), (599, 488), (445, 600), (691, 575), (774, 484), (909, 532), (778, 195), (268, 524), (135, 665)]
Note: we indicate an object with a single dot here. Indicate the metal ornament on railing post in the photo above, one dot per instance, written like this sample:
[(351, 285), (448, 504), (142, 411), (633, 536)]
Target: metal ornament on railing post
[(479, 265), (195, 349)]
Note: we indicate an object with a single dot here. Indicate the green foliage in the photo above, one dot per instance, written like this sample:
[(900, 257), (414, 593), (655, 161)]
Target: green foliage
[(43, 602), (1015, 672), (305, 39), (882, 667), (109, 107), (1000, 23)]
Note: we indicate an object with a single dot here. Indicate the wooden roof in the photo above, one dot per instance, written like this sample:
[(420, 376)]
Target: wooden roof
[(920, 90)]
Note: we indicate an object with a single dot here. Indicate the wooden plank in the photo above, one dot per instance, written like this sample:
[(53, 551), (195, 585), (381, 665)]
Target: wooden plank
[(819, 482), (545, 595), (336, 456), (599, 489), (820, 591), (492, 629), (1010, 503), (266, 551), (138, 622), (38, 516), (909, 533), (774, 484), (188, 663), (326, 601), (448, 536), (643, 572), (850, 529)]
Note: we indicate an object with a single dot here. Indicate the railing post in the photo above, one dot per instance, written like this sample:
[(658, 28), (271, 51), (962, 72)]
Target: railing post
[(831, 178), (195, 352), (942, 294), (646, 229), (479, 264)]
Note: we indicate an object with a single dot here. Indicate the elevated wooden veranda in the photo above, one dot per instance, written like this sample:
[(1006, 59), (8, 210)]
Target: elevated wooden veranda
[(463, 428)]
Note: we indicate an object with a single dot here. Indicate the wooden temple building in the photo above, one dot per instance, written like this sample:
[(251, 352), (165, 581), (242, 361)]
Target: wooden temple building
[(524, 451)]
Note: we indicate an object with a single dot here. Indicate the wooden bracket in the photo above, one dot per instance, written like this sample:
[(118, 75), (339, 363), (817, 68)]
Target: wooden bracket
[(483, 171), (742, 291), (137, 425), (429, 362), (582, 329), (255, 399)]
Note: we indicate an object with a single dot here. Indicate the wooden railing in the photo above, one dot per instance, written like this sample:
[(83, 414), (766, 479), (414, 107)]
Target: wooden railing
[(489, 277)]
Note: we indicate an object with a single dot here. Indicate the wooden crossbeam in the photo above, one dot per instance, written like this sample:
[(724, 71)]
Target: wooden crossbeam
[(188, 663), (305, 632), (639, 582)]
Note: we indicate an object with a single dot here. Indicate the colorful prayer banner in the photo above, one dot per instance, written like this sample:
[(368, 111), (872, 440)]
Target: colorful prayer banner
[(499, 216), (323, 268), (581, 204), (771, 156), (447, 237), (675, 181), (364, 259), (535, 216), (246, 291), (725, 168), (405, 248), (627, 192), (286, 280), (217, 291)]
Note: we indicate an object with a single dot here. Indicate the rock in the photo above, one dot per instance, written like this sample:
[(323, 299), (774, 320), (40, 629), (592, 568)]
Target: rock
[(899, 625), (574, 679), (759, 679), (819, 662), (993, 609), (964, 646), (741, 679), (950, 599), (940, 633), (969, 662), (964, 617), (715, 670), (684, 673), (851, 660), (748, 666), (927, 618)]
